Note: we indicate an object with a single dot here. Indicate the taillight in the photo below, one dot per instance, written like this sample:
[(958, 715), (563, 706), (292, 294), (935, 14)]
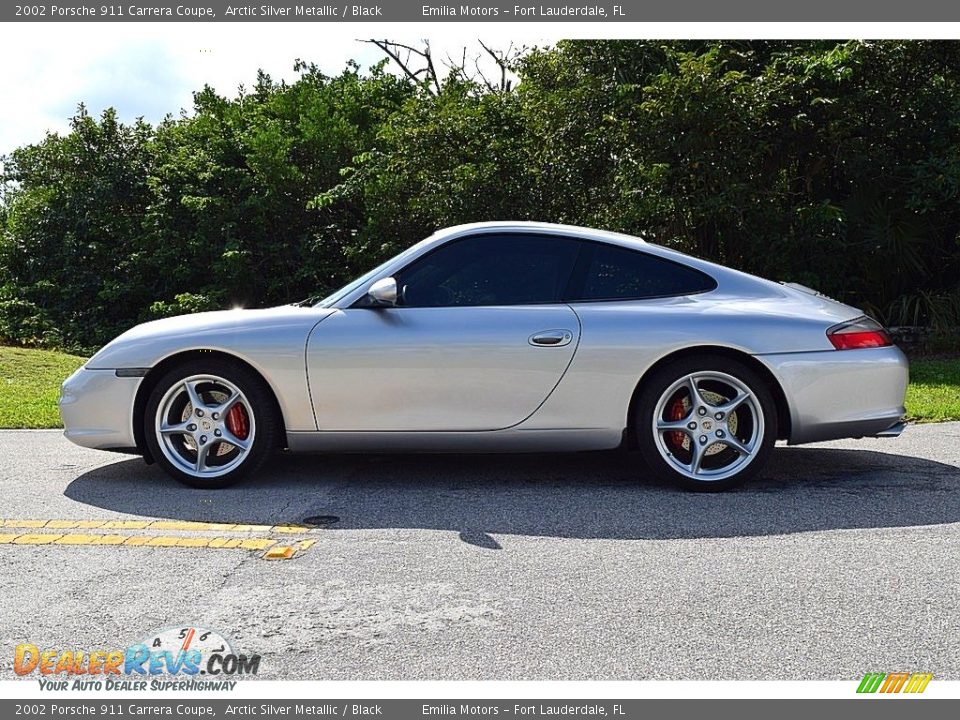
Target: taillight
[(857, 334)]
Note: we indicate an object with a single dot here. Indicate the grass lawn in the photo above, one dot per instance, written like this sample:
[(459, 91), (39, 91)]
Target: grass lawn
[(30, 383), (934, 391)]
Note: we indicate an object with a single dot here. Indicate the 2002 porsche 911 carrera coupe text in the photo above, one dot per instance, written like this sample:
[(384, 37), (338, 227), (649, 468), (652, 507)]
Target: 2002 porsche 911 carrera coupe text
[(501, 337)]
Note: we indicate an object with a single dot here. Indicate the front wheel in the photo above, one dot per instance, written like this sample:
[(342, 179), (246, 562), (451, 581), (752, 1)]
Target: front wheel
[(209, 423), (706, 424)]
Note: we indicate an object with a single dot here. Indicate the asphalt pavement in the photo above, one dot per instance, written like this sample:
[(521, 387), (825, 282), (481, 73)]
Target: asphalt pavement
[(841, 559)]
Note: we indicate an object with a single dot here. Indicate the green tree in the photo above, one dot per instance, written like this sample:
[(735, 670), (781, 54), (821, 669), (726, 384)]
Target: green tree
[(835, 164), (73, 208)]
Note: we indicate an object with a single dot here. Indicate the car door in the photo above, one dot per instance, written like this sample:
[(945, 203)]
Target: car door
[(478, 340)]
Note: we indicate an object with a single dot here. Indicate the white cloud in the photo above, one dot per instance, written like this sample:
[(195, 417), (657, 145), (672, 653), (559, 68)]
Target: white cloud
[(150, 69)]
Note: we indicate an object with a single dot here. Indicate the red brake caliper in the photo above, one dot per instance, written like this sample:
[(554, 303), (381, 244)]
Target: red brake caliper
[(676, 412), (237, 421)]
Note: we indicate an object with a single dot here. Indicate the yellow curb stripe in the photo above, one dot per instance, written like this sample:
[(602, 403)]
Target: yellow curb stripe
[(36, 539), (175, 525), (162, 541), (280, 552), (189, 525), (62, 524), (221, 542), (136, 540), (126, 525), (75, 540), (272, 548), (166, 541), (286, 552), (193, 542), (257, 543)]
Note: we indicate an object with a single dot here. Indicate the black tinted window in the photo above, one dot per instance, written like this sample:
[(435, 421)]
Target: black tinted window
[(618, 273), (494, 269)]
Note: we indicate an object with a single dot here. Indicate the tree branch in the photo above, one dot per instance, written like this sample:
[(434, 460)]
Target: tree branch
[(429, 72)]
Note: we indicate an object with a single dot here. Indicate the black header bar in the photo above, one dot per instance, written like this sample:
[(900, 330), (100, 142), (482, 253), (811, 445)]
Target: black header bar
[(418, 11)]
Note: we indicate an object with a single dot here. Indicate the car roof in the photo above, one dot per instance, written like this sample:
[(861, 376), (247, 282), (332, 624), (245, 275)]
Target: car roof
[(544, 227)]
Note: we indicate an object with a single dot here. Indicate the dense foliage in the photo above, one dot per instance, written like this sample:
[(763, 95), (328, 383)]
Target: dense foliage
[(832, 164)]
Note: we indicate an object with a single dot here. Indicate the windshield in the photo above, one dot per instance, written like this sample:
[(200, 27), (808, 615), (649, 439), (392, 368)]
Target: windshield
[(337, 296), (351, 286)]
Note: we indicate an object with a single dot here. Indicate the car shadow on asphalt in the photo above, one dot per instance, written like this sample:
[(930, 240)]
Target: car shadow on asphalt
[(588, 495)]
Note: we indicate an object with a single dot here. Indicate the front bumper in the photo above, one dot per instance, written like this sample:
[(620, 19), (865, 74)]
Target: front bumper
[(97, 409), (842, 393)]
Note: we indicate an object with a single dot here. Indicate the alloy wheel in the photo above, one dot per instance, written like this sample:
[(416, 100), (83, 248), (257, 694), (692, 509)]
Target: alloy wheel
[(708, 426), (205, 426)]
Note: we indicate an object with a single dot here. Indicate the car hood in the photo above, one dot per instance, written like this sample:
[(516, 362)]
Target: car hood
[(229, 330)]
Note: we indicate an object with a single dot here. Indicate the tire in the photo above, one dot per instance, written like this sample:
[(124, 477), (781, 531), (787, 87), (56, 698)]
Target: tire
[(713, 442), (194, 448)]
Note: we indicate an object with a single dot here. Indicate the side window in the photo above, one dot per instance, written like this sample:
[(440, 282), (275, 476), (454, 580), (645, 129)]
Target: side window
[(619, 273), (490, 269)]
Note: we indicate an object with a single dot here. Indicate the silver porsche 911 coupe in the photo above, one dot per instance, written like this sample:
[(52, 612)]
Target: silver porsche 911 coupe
[(501, 337)]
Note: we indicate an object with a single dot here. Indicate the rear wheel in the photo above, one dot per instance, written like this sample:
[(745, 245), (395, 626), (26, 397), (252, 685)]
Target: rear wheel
[(706, 423), (210, 423)]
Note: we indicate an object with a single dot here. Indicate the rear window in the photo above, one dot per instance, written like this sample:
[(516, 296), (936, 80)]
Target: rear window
[(611, 272)]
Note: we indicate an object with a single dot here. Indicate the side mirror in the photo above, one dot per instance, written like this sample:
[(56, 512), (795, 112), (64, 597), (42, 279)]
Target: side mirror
[(383, 293)]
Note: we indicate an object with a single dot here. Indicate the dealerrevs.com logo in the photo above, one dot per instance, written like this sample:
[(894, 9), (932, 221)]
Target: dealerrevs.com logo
[(898, 682), (181, 658)]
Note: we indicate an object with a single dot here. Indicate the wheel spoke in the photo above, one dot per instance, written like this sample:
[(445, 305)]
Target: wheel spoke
[(743, 449), (201, 462), (195, 400), (178, 429), (229, 437), (730, 405), (225, 406), (696, 399), (673, 426), (697, 451)]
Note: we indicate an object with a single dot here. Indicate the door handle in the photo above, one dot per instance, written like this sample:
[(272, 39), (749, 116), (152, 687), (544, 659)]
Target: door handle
[(551, 338)]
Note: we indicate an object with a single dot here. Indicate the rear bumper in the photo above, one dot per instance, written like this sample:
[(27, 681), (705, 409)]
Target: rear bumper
[(893, 431), (842, 393), (97, 409)]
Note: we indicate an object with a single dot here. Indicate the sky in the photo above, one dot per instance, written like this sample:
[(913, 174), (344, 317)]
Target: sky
[(149, 70)]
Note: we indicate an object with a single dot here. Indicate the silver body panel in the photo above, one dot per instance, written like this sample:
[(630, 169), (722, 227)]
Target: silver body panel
[(444, 370), (97, 409), (273, 341), (841, 394), (469, 378), (513, 440)]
